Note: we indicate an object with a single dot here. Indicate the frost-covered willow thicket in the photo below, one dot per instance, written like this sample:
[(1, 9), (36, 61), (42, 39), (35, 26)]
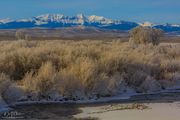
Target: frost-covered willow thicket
[(84, 69)]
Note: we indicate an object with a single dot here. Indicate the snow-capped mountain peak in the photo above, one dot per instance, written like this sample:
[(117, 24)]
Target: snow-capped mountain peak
[(4, 21), (50, 17), (78, 19), (80, 16), (94, 18), (147, 24), (60, 20), (175, 25), (81, 19)]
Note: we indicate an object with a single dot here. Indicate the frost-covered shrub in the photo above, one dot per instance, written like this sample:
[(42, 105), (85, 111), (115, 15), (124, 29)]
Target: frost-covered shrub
[(85, 68), (136, 78), (176, 77), (107, 85), (4, 83), (13, 93), (167, 83), (144, 35), (45, 78), (20, 34), (150, 85), (69, 86), (42, 82)]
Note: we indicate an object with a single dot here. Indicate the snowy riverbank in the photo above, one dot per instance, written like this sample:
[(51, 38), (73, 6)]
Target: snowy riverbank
[(129, 96), (156, 111), (125, 97), (138, 105)]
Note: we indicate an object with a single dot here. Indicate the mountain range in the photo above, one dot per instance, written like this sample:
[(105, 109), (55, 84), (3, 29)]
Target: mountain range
[(59, 21)]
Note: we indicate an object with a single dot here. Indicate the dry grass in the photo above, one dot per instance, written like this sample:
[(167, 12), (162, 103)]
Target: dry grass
[(86, 67)]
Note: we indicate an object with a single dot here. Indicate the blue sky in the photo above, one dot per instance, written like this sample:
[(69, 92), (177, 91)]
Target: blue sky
[(158, 11)]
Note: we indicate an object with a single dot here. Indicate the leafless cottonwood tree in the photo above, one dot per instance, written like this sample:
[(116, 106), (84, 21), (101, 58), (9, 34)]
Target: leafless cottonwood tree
[(145, 35), (20, 35)]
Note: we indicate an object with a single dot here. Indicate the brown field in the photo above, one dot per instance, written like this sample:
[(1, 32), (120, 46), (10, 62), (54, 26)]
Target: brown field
[(69, 33), (76, 33)]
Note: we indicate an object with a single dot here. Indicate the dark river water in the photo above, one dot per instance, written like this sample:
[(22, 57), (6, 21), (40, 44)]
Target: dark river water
[(42, 111)]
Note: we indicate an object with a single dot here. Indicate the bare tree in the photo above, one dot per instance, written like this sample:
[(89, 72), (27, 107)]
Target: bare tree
[(145, 35), (27, 37), (20, 35)]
